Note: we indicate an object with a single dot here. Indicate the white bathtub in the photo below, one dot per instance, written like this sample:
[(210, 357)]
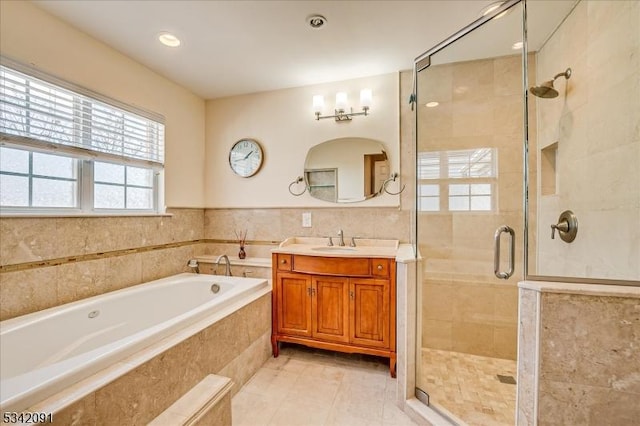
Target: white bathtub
[(47, 351)]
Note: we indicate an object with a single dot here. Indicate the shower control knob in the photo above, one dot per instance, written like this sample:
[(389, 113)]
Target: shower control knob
[(561, 227), (567, 227)]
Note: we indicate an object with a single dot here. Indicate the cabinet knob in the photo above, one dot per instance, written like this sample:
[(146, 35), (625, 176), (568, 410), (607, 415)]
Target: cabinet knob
[(283, 261), (379, 267)]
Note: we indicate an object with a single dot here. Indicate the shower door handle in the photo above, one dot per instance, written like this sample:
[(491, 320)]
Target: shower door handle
[(496, 252)]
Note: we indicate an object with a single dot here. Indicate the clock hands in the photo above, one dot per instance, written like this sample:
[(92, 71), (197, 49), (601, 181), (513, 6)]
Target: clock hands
[(247, 156)]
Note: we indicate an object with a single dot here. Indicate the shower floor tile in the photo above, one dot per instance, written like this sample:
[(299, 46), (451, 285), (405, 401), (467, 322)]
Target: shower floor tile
[(312, 387), (468, 386)]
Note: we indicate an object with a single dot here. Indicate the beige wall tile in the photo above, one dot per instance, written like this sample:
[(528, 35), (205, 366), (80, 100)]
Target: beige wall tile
[(27, 240), (473, 303), (591, 340), (473, 338), (505, 340), (80, 280), (527, 368), (437, 301), (23, 292), (574, 404), (437, 334)]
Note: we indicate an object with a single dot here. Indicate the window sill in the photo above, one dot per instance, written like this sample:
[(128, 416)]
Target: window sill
[(38, 215)]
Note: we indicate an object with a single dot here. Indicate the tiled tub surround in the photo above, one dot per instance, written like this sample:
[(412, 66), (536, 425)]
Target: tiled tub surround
[(139, 388), (578, 360), (73, 341), (90, 256)]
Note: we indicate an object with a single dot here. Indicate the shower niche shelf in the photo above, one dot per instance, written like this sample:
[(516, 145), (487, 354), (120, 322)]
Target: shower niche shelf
[(548, 175)]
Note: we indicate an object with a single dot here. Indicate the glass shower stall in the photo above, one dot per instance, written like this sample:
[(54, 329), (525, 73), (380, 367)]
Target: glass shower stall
[(502, 152)]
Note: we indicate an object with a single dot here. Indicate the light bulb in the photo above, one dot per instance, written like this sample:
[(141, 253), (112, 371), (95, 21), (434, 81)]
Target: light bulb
[(365, 98), (318, 103), (341, 101)]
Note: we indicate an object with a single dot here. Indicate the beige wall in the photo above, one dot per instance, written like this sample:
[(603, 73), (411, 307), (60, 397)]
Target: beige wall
[(284, 123), (465, 308), (595, 122), (34, 37)]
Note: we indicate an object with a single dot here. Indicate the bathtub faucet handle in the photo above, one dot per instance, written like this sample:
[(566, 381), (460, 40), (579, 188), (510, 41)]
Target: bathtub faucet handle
[(193, 264)]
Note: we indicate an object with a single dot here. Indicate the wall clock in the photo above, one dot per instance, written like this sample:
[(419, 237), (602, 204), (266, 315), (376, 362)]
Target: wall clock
[(245, 157)]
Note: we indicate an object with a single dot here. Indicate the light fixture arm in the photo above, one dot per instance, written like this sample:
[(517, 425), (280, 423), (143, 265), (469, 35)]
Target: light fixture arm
[(340, 115)]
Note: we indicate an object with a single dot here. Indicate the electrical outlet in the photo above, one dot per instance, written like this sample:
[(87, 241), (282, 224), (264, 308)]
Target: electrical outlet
[(306, 220)]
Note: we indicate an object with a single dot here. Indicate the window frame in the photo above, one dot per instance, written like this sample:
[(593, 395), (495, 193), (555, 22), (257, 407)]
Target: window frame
[(85, 157), (444, 181)]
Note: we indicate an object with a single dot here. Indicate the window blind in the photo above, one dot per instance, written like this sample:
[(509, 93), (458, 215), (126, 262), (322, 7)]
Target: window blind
[(39, 114)]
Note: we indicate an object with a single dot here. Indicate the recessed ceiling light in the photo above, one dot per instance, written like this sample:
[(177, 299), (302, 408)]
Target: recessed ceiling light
[(316, 21), (517, 45), (492, 7), (169, 39), (432, 104)]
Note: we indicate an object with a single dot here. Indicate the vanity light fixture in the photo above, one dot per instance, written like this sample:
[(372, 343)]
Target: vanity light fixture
[(169, 39), (341, 106)]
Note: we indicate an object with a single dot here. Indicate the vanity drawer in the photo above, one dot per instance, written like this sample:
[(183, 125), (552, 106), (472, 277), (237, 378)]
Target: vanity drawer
[(380, 268), (284, 262), (331, 265)]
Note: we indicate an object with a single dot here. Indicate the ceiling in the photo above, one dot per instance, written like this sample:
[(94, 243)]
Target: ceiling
[(236, 47)]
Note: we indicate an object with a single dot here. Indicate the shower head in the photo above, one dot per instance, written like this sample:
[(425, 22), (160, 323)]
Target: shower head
[(546, 89)]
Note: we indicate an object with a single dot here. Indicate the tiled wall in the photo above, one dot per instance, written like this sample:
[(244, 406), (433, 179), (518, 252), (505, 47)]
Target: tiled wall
[(595, 122), (587, 369), (465, 308), (47, 262), (267, 227)]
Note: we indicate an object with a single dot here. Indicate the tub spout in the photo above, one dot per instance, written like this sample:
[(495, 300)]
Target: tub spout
[(227, 269)]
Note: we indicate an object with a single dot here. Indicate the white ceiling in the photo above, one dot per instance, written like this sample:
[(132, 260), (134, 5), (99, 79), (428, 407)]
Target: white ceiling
[(235, 47)]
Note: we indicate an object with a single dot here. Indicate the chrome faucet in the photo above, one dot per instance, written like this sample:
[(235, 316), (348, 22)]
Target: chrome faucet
[(341, 236), (227, 270)]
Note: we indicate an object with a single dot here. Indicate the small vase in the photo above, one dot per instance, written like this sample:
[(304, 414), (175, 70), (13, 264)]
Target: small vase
[(241, 253)]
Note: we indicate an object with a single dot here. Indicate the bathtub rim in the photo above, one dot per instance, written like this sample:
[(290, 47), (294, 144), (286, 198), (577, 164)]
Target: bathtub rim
[(103, 377)]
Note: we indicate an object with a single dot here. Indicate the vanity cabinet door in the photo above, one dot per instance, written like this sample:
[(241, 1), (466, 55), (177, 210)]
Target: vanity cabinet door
[(369, 312), (294, 304), (330, 308)]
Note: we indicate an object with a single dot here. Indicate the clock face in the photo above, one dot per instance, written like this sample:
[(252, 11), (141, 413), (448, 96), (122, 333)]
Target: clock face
[(245, 157)]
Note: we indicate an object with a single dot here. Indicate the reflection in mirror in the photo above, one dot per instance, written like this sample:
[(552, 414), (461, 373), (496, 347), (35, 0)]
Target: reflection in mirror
[(346, 170)]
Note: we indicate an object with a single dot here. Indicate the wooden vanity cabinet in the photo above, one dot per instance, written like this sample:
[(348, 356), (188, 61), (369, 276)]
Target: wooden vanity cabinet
[(340, 304)]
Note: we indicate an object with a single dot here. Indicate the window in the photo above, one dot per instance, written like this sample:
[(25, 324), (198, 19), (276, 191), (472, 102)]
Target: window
[(462, 180), (65, 148)]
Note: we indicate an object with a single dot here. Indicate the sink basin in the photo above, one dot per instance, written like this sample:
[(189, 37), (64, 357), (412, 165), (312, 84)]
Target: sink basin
[(317, 246), (334, 249)]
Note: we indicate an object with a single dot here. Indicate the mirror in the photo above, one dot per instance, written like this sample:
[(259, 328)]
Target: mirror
[(346, 170)]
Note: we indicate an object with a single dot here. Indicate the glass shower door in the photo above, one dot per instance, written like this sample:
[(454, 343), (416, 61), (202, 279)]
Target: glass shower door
[(469, 189)]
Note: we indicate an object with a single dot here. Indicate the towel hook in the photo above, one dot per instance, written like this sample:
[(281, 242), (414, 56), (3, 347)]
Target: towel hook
[(295, 182), (393, 178)]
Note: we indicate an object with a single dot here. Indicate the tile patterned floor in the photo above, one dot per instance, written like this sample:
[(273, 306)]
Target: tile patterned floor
[(467, 386), (312, 387)]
